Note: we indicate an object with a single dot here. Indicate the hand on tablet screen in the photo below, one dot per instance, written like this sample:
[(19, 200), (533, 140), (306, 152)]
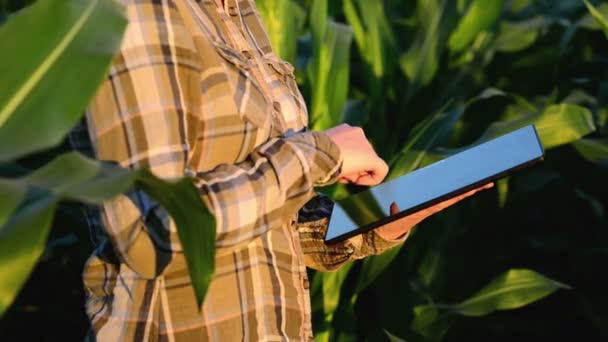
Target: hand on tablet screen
[(396, 229), (360, 163)]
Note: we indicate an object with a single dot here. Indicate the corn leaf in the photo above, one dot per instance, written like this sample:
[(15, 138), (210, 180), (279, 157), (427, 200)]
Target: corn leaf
[(430, 322), (325, 290), (283, 20), (589, 22), (599, 17), (421, 62), (556, 125), (22, 241), (329, 70), (429, 133), (511, 290), (72, 176), (59, 53), (481, 16), (196, 226), (11, 194), (517, 36), (594, 150), (373, 34)]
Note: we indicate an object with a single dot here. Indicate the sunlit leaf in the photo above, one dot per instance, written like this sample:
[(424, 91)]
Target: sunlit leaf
[(325, 291), (393, 338), (502, 187), (599, 16), (373, 34), (57, 47), (423, 137), (511, 290), (556, 125), (380, 41), (430, 322), (329, 70), (589, 22), (481, 16), (517, 36), (429, 133), (421, 62), (283, 20)]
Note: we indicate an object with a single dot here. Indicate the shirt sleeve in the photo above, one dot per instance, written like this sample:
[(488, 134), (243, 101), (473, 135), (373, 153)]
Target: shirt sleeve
[(312, 226), (145, 115)]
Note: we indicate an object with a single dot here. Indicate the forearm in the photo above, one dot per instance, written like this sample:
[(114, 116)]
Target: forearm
[(312, 227)]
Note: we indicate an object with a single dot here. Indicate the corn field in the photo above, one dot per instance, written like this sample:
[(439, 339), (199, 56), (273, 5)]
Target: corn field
[(425, 79)]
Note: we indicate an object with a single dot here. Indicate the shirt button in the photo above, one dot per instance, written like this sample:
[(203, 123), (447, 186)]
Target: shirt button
[(189, 172), (247, 54), (277, 106), (233, 11)]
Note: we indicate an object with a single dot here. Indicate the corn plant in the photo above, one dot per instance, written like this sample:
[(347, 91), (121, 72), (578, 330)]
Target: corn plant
[(427, 79), (59, 53)]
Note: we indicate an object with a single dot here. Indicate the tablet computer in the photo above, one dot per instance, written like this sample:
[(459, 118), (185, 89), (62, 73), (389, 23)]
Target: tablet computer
[(422, 188)]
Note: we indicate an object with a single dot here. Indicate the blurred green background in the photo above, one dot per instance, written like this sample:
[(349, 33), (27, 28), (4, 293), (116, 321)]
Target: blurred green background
[(426, 78)]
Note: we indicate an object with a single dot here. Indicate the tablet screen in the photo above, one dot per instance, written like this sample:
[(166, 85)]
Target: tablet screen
[(434, 183)]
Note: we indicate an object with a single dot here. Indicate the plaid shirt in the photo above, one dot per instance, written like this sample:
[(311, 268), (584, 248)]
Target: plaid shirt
[(203, 94)]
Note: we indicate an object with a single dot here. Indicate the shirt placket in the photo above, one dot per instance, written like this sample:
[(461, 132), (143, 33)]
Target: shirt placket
[(231, 17), (232, 21)]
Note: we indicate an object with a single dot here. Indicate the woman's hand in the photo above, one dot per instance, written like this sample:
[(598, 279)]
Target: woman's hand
[(398, 228), (360, 163)]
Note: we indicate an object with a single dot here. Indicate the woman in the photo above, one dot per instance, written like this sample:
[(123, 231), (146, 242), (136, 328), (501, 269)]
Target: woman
[(197, 90)]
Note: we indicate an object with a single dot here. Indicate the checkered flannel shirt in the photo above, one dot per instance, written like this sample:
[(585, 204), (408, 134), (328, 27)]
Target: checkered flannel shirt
[(203, 94)]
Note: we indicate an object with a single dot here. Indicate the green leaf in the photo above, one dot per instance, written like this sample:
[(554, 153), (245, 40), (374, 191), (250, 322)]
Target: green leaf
[(325, 290), (60, 51), (431, 132), (511, 290), (373, 34), (430, 322), (196, 226), (283, 20), (380, 40), (517, 36), (11, 194), (75, 177), (393, 338), (424, 137), (518, 5), (594, 150), (65, 171), (329, 70), (22, 241), (599, 16), (421, 62), (481, 16), (589, 22), (556, 125)]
